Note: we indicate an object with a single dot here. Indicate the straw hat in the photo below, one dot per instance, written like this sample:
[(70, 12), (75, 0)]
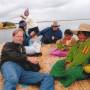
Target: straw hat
[(55, 24), (82, 27)]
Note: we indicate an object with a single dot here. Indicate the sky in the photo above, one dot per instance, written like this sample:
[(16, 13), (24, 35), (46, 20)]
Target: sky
[(45, 10), (78, 11)]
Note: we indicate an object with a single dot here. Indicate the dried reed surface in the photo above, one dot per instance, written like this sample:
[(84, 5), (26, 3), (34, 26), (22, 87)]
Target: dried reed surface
[(46, 61)]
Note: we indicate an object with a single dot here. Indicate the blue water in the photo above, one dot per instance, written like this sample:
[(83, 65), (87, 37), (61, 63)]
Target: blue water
[(6, 35)]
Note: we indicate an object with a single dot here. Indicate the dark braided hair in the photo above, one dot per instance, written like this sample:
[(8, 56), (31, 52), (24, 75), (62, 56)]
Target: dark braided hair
[(86, 33)]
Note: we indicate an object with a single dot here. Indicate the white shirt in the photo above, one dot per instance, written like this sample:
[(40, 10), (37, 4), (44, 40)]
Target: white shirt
[(30, 22)]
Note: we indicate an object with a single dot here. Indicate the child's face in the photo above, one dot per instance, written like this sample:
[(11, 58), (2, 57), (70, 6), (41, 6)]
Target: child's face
[(68, 37)]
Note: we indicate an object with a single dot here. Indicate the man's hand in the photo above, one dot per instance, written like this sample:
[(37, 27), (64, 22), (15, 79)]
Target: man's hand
[(32, 59)]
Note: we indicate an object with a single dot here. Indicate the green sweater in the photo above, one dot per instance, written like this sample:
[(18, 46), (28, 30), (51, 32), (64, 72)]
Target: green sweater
[(79, 54)]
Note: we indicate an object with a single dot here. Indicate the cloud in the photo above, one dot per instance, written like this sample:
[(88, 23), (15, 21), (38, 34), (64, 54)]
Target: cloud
[(45, 9)]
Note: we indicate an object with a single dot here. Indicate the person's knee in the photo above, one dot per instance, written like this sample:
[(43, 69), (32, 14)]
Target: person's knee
[(6, 69), (12, 79), (8, 62), (49, 78), (6, 65), (9, 73)]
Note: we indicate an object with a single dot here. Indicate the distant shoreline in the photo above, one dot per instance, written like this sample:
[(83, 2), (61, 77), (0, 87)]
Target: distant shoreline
[(7, 25), (6, 28)]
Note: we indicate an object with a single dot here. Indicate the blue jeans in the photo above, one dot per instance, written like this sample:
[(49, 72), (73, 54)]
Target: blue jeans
[(14, 74)]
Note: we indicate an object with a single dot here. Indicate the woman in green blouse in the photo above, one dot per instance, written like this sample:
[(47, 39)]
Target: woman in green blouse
[(72, 68)]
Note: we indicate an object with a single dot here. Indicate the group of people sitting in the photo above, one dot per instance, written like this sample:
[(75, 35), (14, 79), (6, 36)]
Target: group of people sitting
[(76, 65), (49, 35), (33, 37), (19, 67)]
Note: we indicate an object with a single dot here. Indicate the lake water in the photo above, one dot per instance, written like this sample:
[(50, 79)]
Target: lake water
[(6, 35)]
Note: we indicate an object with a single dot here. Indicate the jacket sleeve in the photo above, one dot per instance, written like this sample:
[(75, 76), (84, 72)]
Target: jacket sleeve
[(59, 34), (42, 32), (8, 52)]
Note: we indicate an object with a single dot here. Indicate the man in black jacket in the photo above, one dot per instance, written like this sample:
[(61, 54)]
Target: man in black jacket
[(16, 66)]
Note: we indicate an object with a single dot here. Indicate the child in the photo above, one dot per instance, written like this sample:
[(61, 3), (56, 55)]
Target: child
[(33, 34), (64, 45), (67, 42), (34, 43)]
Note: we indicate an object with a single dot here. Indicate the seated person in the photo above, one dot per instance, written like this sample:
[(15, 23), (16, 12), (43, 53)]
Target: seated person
[(64, 45), (23, 26), (51, 34), (67, 42), (34, 42), (16, 66), (31, 23), (33, 34), (72, 68)]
